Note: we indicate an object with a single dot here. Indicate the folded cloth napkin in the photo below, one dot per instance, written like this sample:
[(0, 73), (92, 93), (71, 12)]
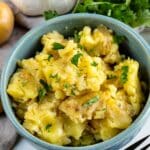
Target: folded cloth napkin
[(8, 134)]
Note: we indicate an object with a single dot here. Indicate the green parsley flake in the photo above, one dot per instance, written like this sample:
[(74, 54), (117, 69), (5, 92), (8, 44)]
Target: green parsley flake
[(55, 76), (91, 101), (75, 59), (77, 37), (58, 46), (48, 126), (45, 85), (124, 74), (94, 63), (81, 46), (111, 76), (41, 93), (50, 14), (119, 39), (66, 85), (49, 57), (72, 92)]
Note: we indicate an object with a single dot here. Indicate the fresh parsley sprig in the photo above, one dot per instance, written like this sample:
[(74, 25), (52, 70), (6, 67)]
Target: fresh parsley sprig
[(44, 89), (124, 74), (91, 101), (131, 12), (50, 14)]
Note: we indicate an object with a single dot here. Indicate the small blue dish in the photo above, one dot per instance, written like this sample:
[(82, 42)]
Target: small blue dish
[(137, 48)]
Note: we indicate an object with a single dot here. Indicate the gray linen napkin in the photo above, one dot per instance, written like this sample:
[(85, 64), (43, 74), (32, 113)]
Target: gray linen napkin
[(8, 134)]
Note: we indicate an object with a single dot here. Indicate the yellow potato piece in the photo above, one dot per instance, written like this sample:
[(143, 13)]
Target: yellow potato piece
[(22, 86)]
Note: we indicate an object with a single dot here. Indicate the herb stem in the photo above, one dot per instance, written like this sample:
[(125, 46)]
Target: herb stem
[(76, 5)]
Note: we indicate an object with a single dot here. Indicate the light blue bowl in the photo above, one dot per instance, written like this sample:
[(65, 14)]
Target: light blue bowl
[(28, 45)]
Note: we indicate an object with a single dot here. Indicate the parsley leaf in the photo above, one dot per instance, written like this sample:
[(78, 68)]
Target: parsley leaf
[(49, 57), (50, 14), (41, 93), (55, 76), (58, 46), (91, 101), (124, 74), (45, 85), (75, 58), (94, 63), (66, 85), (119, 39), (47, 127), (77, 37), (131, 12), (81, 46)]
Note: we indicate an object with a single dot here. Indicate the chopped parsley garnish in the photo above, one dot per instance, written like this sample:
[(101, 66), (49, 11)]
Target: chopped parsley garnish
[(124, 74), (111, 76), (49, 57), (66, 85), (94, 63), (55, 76), (77, 37), (45, 85), (119, 39), (80, 46), (91, 101), (43, 90), (41, 93), (48, 126), (49, 14), (72, 92), (58, 46), (75, 58)]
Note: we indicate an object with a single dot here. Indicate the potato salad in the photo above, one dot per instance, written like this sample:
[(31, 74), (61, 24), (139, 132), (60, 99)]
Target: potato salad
[(78, 90)]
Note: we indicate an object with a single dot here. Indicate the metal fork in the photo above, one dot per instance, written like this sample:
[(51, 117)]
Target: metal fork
[(138, 143)]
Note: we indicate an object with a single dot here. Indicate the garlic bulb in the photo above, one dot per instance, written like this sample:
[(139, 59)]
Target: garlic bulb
[(37, 7)]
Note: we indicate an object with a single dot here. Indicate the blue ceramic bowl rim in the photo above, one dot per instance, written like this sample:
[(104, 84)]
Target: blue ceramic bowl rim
[(106, 144)]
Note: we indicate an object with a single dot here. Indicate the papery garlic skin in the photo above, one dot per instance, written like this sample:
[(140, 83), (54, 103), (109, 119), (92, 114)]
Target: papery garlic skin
[(37, 7)]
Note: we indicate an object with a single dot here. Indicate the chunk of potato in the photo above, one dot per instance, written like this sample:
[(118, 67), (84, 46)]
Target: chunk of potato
[(117, 117), (73, 129), (33, 67), (23, 86), (41, 120), (78, 108)]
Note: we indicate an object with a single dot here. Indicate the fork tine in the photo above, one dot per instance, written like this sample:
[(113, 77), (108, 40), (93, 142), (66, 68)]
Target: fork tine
[(136, 144), (145, 147)]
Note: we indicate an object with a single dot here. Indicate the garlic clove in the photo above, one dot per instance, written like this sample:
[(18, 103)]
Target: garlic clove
[(63, 6), (37, 7)]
